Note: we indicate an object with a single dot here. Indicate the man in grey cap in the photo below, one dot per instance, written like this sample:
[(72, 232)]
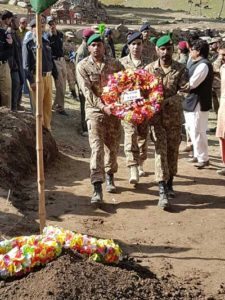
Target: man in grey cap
[(148, 53), (56, 41), (135, 136)]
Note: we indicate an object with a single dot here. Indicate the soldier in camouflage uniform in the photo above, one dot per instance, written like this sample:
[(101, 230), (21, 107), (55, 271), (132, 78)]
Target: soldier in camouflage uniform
[(148, 53), (135, 136), (81, 53), (103, 128), (166, 126), (69, 55)]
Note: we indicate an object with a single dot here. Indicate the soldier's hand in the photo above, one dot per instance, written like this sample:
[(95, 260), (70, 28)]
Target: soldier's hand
[(107, 110), (33, 86)]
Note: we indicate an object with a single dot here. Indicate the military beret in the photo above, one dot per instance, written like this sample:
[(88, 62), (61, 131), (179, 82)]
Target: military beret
[(182, 45), (50, 19), (153, 40), (134, 36), (87, 32), (94, 38), (164, 40), (108, 31), (144, 27), (32, 23)]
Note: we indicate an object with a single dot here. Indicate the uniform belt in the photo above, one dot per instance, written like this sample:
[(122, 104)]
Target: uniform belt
[(2, 62), (45, 74), (59, 58)]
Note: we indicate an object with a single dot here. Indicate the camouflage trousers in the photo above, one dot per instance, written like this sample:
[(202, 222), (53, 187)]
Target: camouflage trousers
[(71, 75), (104, 138), (216, 99), (167, 142), (135, 142)]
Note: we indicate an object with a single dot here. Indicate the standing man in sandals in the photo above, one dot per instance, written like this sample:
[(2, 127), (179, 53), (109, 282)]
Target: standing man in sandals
[(56, 41), (135, 136), (166, 125), (103, 128)]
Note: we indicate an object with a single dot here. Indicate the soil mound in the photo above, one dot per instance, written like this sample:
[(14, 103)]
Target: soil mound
[(18, 147), (71, 277)]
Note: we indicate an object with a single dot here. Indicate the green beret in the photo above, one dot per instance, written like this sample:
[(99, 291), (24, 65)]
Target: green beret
[(153, 40), (94, 38), (164, 40)]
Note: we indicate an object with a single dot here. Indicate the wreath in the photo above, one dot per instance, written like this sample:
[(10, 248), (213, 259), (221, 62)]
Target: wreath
[(134, 96)]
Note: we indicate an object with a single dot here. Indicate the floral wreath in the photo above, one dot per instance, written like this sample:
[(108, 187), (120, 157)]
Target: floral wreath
[(21, 254), (133, 95)]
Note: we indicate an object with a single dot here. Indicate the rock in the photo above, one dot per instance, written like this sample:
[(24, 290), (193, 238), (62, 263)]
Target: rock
[(12, 2), (4, 1), (22, 4)]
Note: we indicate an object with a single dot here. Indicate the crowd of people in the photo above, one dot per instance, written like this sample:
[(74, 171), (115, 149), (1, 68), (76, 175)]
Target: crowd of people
[(192, 81)]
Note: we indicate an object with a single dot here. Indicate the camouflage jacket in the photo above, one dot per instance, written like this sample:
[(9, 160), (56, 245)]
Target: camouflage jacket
[(216, 70), (128, 63), (149, 53), (82, 52), (91, 79), (175, 86), (68, 47)]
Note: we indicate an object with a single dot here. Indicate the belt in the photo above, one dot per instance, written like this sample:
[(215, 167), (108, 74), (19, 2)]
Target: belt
[(46, 74), (59, 58), (2, 62)]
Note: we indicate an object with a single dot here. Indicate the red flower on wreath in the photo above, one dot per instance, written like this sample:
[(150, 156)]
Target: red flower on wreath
[(134, 95)]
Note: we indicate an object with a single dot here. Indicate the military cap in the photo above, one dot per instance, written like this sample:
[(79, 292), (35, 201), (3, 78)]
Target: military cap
[(50, 19), (134, 36), (153, 40), (182, 45), (164, 40), (145, 27), (33, 23), (94, 38), (87, 32), (214, 40), (69, 34), (108, 31)]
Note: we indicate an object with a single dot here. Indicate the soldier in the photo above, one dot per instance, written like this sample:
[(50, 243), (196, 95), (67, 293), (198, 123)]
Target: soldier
[(109, 44), (135, 136), (6, 47), (148, 53), (103, 128), (70, 54), (48, 69), (56, 41), (22, 30), (166, 126), (82, 52)]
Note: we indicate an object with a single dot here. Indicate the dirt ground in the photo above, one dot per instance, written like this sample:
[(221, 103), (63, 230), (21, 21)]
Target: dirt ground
[(186, 243)]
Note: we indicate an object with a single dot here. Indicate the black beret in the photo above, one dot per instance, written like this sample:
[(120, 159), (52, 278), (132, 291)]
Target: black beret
[(145, 27), (134, 36)]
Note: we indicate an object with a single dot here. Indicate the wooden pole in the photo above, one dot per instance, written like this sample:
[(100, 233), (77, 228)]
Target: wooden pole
[(39, 135)]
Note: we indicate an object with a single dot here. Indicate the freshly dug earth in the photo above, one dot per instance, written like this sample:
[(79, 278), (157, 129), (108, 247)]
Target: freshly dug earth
[(18, 147), (71, 277)]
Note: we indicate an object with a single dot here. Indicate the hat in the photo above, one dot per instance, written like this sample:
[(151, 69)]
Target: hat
[(108, 31), (145, 27), (87, 32), (50, 19), (69, 34), (153, 40), (94, 38), (164, 40), (33, 23), (214, 40), (182, 45), (134, 36)]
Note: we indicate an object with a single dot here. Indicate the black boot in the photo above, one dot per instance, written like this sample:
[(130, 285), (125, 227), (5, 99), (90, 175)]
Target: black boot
[(170, 190), (110, 186), (163, 196), (97, 194), (73, 94)]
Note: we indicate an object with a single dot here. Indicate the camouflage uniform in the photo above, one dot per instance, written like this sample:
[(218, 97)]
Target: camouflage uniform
[(135, 136), (216, 83), (166, 126), (104, 131), (148, 53), (69, 47)]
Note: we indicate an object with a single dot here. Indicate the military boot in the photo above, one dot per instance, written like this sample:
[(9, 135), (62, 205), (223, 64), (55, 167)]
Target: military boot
[(73, 94), (134, 175), (97, 194), (170, 190), (163, 196), (110, 186), (141, 170)]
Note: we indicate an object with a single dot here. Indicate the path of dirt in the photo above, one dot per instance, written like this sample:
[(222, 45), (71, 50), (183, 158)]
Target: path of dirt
[(187, 242)]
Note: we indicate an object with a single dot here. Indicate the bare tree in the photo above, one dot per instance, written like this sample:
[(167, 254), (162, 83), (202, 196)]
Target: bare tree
[(221, 9)]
